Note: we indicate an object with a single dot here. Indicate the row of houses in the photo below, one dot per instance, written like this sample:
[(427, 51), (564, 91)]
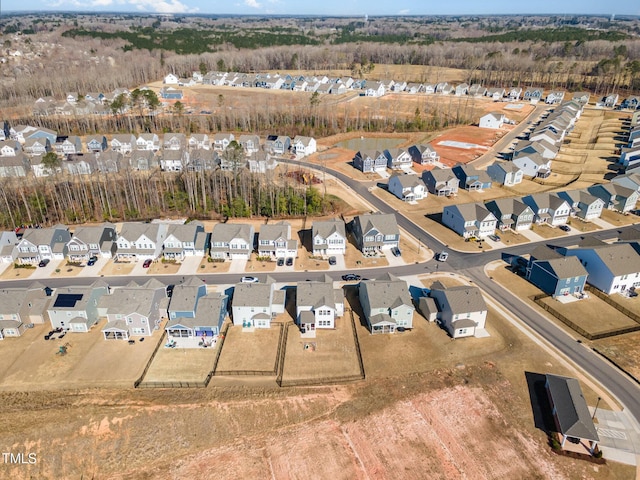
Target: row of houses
[(629, 159), (228, 241), (373, 160), (479, 220), (137, 310)]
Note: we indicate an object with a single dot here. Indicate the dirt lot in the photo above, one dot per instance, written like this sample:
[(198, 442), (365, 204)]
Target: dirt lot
[(547, 231), (163, 268), (250, 350), (66, 270), (582, 226), (181, 365), (618, 219)]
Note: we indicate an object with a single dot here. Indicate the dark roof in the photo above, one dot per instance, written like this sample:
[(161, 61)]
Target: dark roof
[(572, 412), (67, 300)]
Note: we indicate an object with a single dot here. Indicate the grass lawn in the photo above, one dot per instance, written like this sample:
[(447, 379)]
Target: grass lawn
[(622, 349), (13, 273), (249, 350), (181, 365), (546, 231), (617, 218)]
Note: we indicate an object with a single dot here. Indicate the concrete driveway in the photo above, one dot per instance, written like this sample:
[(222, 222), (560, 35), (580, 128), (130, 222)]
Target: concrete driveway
[(190, 265), (619, 436)]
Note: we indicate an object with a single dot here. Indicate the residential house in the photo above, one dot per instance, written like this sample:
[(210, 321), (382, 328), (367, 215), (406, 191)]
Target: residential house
[(370, 161), (548, 208), (22, 132), (202, 160), (375, 232), (232, 241), (207, 321), (99, 241), (140, 241), (185, 297), (532, 164), (554, 97), (541, 147), (511, 213), (610, 101), (174, 141), (96, 143), (221, 141), (583, 205), (462, 89), (328, 237), (303, 145), (493, 120), (124, 143), (174, 160), (632, 102), (477, 90), (36, 146), (398, 158), (429, 88), (133, 310), (558, 276), (408, 188), (34, 164), (20, 307), (184, 240), (615, 196), (318, 305), (8, 241), (533, 94), (171, 79), (10, 148), (16, 166), (441, 182), (255, 305), (581, 97), (629, 180), (374, 89), (514, 93), (462, 310), (505, 173), (250, 144), (424, 154), (547, 134), (571, 415), (108, 161), (612, 268), (148, 141), (496, 94), (39, 244), (279, 145), (261, 162), (76, 308), (469, 220), (386, 304), (274, 241), (471, 178), (170, 93), (199, 141), (68, 145), (80, 164)]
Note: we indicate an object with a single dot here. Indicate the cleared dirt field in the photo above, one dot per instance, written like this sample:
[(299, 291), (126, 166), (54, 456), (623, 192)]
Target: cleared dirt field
[(547, 231), (617, 218)]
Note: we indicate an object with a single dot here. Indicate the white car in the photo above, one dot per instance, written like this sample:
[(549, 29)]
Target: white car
[(249, 280), (442, 256)]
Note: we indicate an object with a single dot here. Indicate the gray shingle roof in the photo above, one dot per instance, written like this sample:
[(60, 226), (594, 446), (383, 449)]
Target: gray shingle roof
[(387, 292), (273, 231), (327, 227), (564, 267), (572, 412), (464, 299), (620, 258), (315, 294), (384, 223), (225, 232), (252, 295)]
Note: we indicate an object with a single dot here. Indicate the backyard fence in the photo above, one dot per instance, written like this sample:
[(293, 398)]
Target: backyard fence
[(608, 299), (138, 382)]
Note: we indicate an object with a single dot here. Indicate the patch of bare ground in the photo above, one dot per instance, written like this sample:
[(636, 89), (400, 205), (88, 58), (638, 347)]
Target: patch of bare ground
[(617, 218), (158, 267), (622, 349), (117, 268)]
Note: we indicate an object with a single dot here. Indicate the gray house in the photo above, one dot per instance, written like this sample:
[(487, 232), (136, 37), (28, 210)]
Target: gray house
[(99, 241), (185, 297), (274, 241), (463, 311), (386, 303), (505, 173), (184, 240), (424, 154), (38, 244), (376, 232), (441, 182), (469, 220), (583, 204), (511, 214), (232, 241), (21, 306), (207, 322), (370, 160), (76, 308)]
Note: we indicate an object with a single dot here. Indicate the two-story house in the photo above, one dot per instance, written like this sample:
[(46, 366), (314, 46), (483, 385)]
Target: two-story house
[(274, 241), (471, 178), (148, 141), (184, 240), (505, 173), (494, 120), (408, 188), (185, 297), (375, 232), (462, 310), (68, 145), (140, 241), (424, 154), (583, 204), (469, 220), (250, 144), (511, 214), (615, 196), (36, 146), (221, 141), (398, 158), (386, 304), (20, 307), (318, 305), (199, 141), (96, 143), (99, 241), (76, 308), (39, 244), (255, 305), (532, 164), (174, 141), (555, 274), (328, 237), (123, 143), (369, 161), (548, 208), (441, 182), (232, 241), (207, 321), (303, 145)]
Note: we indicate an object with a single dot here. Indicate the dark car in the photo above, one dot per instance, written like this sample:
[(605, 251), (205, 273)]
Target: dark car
[(332, 260), (170, 290), (396, 252), (350, 277), (565, 228), (289, 262), (401, 329), (92, 261), (280, 262), (147, 263), (495, 238), (44, 262)]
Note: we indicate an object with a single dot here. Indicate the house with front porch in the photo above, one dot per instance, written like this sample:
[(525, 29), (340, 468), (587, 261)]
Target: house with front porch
[(184, 240), (185, 297), (615, 196), (10, 148), (207, 321), (477, 90), (386, 304), (174, 141), (36, 146), (462, 310), (174, 160), (496, 94), (109, 161), (232, 241), (533, 94), (222, 140), (375, 232), (328, 237), (255, 305), (512, 214), (424, 154), (39, 244), (505, 173), (398, 158), (76, 308), (140, 241), (124, 143), (408, 188), (548, 208), (303, 145), (469, 220), (133, 310), (199, 141), (514, 93), (583, 205), (143, 160), (274, 241), (96, 143), (581, 97), (441, 182), (68, 145), (369, 161), (99, 241), (318, 305), (148, 141), (471, 178)]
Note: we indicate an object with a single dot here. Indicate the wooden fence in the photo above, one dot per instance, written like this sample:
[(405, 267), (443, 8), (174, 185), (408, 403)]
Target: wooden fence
[(137, 383)]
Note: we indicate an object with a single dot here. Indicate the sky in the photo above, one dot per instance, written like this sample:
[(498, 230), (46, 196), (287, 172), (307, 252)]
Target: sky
[(331, 7)]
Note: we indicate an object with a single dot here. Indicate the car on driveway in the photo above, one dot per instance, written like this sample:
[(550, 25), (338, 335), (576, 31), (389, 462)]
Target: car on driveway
[(92, 261), (280, 262), (396, 252), (350, 277), (44, 262), (147, 263), (289, 262), (565, 228), (249, 280), (495, 238), (332, 260)]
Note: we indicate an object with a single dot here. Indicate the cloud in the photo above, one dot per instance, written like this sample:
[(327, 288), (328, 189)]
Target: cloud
[(158, 6), (404, 11), (101, 3), (252, 4)]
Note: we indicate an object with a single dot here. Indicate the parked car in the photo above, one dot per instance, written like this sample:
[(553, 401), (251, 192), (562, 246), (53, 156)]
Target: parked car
[(44, 262), (280, 262), (401, 329), (332, 260), (495, 238), (350, 277), (170, 290), (249, 280), (289, 262), (442, 256), (565, 228), (147, 263), (92, 261), (396, 252)]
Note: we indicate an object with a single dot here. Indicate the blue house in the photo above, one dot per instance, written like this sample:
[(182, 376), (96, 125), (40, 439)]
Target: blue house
[(472, 179), (185, 297), (207, 322), (169, 93), (555, 274)]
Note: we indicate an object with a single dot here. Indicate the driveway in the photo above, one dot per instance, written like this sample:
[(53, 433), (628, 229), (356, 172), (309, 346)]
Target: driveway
[(340, 263), (190, 265), (619, 437), (393, 260)]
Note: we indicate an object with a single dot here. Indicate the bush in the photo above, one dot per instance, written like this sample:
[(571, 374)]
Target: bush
[(555, 444), (23, 265), (598, 454)]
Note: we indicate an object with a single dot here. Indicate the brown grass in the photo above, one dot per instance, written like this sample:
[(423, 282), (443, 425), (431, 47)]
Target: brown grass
[(163, 268), (12, 273), (117, 268)]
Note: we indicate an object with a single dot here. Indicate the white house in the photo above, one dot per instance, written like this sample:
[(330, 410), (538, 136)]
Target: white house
[(303, 145), (328, 237), (461, 310), (408, 188), (254, 305), (318, 305), (140, 241), (505, 173), (171, 79), (469, 220), (493, 120), (274, 241)]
